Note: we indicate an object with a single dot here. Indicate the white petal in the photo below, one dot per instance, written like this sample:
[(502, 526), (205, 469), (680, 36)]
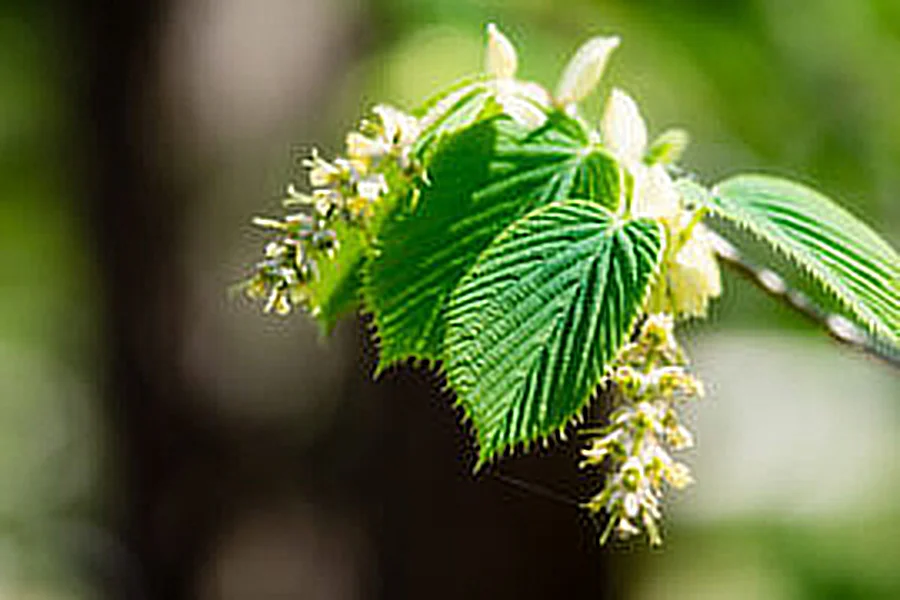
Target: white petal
[(623, 129), (626, 529), (680, 476), (584, 70), (682, 438), (399, 127), (501, 60), (631, 505), (371, 188), (655, 195), (360, 146), (694, 275), (391, 120)]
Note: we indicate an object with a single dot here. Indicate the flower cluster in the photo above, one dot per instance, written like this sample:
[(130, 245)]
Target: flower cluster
[(691, 270), (526, 101), (289, 261), (349, 187), (648, 381), (347, 190)]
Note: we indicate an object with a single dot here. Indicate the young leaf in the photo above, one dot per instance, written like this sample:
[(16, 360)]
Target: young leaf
[(534, 324), (461, 105), (477, 100), (480, 181), (843, 255), (473, 100)]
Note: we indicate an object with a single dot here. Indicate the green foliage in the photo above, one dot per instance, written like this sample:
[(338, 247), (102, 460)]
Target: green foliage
[(495, 232), (838, 251), (479, 182), (336, 292), (536, 321), (452, 110)]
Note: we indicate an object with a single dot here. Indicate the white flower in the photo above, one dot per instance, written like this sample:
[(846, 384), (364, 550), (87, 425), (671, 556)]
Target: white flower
[(679, 437), (527, 102), (371, 188), (623, 130), (649, 416), (679, 476), (694, 276), (659, 330), (643, 430), (631, 504), (584, 70), (321, 172), (398, 128), (267, 223), (603, 447), (501, 60), (625, 529), (655, 195), (631, 472), (523, 101), (273, 250), (363, 147)]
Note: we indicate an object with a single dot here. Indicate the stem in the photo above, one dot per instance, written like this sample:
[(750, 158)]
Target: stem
[(685, 234)]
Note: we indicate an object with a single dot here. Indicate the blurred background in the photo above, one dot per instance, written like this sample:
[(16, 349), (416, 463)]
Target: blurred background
[(159, 439)]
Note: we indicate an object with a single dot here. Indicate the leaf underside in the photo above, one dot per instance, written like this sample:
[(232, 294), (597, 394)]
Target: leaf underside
[(454, 109), (535, 323), (839, 252), (479, 181), (337, 290)]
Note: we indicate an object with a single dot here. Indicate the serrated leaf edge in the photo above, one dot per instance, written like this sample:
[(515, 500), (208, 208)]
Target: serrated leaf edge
[(873, 327), (546, 436)]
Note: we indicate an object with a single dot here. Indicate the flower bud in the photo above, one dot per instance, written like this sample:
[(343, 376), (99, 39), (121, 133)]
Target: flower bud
[(623, 129), (500, 60), (321, 172), (372, 188), (398, 127), (655, 195), (362, 147), (584, 70), (668, 147), (694, 275)]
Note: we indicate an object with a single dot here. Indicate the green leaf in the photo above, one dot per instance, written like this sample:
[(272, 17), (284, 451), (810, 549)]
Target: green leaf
[(336, 292), (440, 97), (459, 106), (840, 253), (534, 324), (481, 180), (476, 99)]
